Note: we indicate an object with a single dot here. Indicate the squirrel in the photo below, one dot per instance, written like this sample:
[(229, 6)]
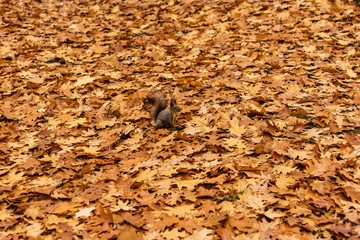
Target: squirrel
[(163, 117)]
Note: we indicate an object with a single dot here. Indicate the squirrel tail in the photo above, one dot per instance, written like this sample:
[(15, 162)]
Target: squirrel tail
[(160, 104)]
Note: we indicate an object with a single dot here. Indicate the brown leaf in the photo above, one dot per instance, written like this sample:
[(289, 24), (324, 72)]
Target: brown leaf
[(353, 193), (343, 229), (129, 233)]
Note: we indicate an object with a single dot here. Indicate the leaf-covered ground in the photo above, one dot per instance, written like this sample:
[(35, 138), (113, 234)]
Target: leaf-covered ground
[(266, 145)]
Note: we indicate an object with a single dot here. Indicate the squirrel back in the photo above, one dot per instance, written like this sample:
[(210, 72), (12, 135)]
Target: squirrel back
[(164, 118)]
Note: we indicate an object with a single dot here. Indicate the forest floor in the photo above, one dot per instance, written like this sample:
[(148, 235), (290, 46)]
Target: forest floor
[(266, 145)]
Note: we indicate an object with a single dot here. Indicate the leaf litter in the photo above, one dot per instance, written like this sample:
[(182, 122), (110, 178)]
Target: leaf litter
[(266, 145)]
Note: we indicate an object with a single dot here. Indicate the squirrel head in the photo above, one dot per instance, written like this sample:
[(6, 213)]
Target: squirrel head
[(173, 106)]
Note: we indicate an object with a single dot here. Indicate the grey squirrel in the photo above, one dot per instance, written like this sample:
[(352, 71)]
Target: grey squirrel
[(163, 117)]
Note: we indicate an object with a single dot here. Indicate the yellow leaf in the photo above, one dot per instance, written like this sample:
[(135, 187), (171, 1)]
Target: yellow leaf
[(83, 80), (166, 140), (174, 234), (11, 178), (180, 210), (284, 181), (253, 200), (5, 50), (351, 73), (84, 212), (5, 214), (147, 175), (310, 49), (111, 61), (91, 149), (344, 42), (34, 229), (235, 142), (283, 169), (32, 212), (189, 184), (323, 35), (122, 205), (254, 90), (273, 214), (76, 122), (235, 129), (108, 123), (66, 207)]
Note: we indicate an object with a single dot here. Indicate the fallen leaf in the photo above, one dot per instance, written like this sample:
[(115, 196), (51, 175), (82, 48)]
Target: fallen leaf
[(84, 212)]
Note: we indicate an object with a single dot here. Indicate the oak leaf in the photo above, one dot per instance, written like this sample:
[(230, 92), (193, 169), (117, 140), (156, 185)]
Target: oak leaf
[(83, 81), (285, 182), (343, 229), (84, 212), (353, 192), (34, 229), (174, 234)]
